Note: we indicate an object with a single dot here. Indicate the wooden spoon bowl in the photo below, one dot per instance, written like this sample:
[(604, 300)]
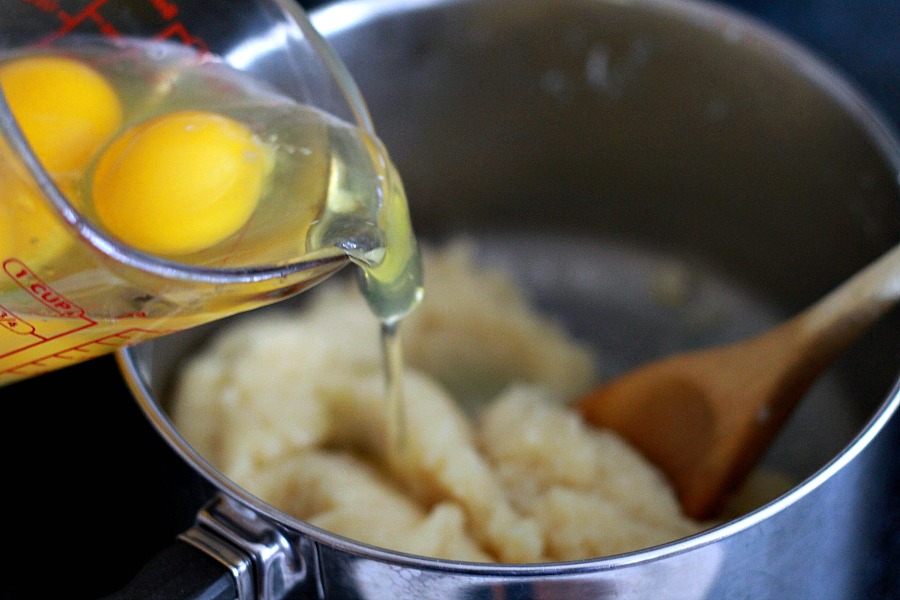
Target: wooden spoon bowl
[(706, 417)]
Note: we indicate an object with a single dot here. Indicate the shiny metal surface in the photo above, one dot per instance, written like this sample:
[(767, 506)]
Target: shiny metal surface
[(620, 139)]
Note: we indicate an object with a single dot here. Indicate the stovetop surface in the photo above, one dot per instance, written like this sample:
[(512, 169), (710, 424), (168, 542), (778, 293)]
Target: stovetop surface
[(92, 491)]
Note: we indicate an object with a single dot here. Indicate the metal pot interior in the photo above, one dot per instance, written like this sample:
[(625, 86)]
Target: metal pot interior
[(598, 148)]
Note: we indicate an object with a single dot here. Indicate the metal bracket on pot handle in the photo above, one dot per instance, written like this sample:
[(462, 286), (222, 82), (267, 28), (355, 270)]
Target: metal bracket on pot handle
[(230, 553), (264, 562)]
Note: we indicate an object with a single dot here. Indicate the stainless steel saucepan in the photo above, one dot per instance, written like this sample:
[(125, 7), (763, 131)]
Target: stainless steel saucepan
[(612, 139)]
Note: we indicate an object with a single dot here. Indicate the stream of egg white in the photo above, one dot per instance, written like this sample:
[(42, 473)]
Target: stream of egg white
[(397, 435), (392, 284)]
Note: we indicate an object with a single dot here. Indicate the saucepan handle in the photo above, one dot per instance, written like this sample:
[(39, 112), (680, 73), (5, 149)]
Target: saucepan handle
[(230, 553), (181, 571)]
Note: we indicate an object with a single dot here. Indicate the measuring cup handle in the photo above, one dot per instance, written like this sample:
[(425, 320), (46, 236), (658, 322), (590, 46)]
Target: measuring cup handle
[(180, 571)]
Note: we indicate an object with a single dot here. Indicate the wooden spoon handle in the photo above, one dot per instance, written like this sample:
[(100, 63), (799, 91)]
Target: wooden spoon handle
[(792, 357), (830, 325)]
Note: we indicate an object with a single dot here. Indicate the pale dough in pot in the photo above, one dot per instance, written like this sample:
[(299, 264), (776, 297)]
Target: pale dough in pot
[(290, 405)]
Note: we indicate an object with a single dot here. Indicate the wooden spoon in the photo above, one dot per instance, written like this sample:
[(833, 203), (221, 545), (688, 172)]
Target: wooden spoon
[(706, 417)]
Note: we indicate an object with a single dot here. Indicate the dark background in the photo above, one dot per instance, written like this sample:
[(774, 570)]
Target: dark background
[(92, 492)]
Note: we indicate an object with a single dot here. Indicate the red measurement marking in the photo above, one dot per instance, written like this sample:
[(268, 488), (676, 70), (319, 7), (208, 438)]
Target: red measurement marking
[(10, 321), (178, 30), (39, 290), (81, 352), (166, 10), (90, 12), (39, 339)]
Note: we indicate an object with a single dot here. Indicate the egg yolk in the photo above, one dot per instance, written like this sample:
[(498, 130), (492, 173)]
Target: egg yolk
[(180, 182), (65, 109)]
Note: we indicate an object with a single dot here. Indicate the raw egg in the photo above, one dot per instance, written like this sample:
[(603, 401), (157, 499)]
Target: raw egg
[(180, 182), (66, 109)]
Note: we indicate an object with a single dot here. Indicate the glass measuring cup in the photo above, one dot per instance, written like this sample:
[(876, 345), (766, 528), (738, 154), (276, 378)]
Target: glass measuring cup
[(72, 289)]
